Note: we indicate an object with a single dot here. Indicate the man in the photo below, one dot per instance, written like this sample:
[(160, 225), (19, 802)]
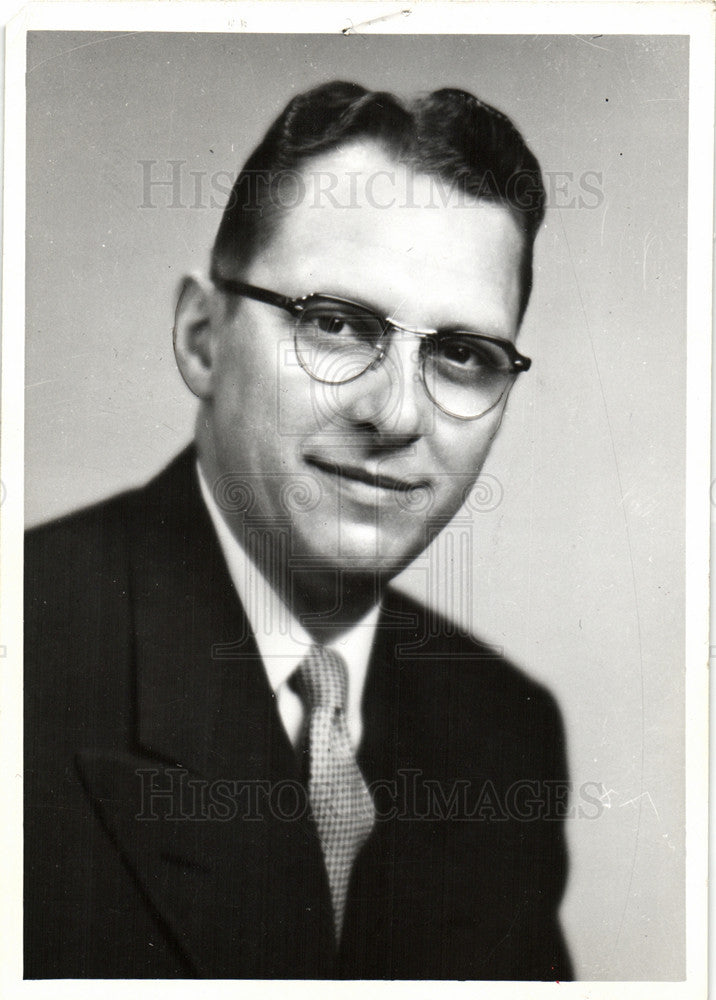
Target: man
[(246, 758)]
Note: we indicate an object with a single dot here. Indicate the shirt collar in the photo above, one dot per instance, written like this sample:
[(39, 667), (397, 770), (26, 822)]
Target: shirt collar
[(282, 641)]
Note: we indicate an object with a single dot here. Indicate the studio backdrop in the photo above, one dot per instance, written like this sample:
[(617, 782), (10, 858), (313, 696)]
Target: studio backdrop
[(569, 555)]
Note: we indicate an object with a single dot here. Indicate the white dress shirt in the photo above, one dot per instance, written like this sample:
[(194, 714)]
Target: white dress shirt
[(282, 641)]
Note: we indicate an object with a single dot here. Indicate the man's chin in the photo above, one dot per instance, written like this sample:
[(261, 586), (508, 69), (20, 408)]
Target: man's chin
[(379, 563)]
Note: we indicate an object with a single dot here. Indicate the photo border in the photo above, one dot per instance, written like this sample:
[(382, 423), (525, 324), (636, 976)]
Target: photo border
[(276, 16)]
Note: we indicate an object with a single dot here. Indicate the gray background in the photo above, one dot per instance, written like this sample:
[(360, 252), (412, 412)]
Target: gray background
[(576, 542)]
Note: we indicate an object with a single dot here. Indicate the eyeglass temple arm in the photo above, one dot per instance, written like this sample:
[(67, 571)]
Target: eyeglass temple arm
[(259, 294)]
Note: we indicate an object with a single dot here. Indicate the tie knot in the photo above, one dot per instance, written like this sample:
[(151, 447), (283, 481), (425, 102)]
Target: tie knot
[(322, 679)]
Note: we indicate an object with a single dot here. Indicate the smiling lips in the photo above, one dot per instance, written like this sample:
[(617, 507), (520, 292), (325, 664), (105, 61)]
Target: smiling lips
[(356, 473)]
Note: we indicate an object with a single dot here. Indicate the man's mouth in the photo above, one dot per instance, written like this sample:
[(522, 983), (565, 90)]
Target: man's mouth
[(360, 474)]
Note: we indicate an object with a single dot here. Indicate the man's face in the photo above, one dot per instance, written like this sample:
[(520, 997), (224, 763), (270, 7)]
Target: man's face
[(358, 471)]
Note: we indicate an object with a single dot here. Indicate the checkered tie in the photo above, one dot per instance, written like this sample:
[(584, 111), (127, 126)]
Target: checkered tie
[(340, 801)]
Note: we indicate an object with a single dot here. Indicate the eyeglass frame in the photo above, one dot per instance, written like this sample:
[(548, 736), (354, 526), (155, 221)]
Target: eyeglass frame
[(295, 307)]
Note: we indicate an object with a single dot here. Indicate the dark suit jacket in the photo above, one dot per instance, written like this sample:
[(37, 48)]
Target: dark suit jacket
[(142, 676)]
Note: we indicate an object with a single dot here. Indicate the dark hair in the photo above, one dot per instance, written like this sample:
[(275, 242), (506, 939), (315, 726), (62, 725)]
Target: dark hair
[(449, 134)]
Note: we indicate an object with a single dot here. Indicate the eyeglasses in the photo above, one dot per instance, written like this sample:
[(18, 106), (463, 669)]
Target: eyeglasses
[(465, 374)]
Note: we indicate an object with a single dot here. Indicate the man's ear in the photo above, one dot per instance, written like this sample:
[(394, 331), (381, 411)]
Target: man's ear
[(194, 344)]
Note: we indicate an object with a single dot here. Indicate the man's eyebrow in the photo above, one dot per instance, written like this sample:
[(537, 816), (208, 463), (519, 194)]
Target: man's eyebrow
[(340, 291)]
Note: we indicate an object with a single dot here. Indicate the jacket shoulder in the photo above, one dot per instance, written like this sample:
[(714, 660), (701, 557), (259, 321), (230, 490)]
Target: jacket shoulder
[(96, 533), (475, 665), (81, 528), (78, 593)]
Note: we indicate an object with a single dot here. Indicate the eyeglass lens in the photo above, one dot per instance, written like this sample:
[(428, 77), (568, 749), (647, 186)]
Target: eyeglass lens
[(464, 375)]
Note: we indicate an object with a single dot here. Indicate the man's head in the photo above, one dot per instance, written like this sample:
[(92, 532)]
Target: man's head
[(426, 214)]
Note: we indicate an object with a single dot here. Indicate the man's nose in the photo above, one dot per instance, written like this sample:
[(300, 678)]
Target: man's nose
[(390, 396)]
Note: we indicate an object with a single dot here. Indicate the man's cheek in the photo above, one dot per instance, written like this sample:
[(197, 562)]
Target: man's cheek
[(447, 497)]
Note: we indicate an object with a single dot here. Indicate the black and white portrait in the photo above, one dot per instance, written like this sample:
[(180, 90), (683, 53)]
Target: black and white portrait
[(365, 404)]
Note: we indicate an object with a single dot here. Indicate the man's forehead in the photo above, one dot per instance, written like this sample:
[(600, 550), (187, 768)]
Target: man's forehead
[(364, 190), (366, 224), (363, 176)]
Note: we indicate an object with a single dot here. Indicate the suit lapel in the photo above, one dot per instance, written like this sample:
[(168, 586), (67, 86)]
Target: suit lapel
[(208, 726), (186, 614)]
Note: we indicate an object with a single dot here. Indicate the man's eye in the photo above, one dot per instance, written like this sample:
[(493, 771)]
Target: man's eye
[(331, 323), (344, 323), (463, 353)]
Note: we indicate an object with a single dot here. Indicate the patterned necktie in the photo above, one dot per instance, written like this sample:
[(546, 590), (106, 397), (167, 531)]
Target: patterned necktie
[(340, 801)]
